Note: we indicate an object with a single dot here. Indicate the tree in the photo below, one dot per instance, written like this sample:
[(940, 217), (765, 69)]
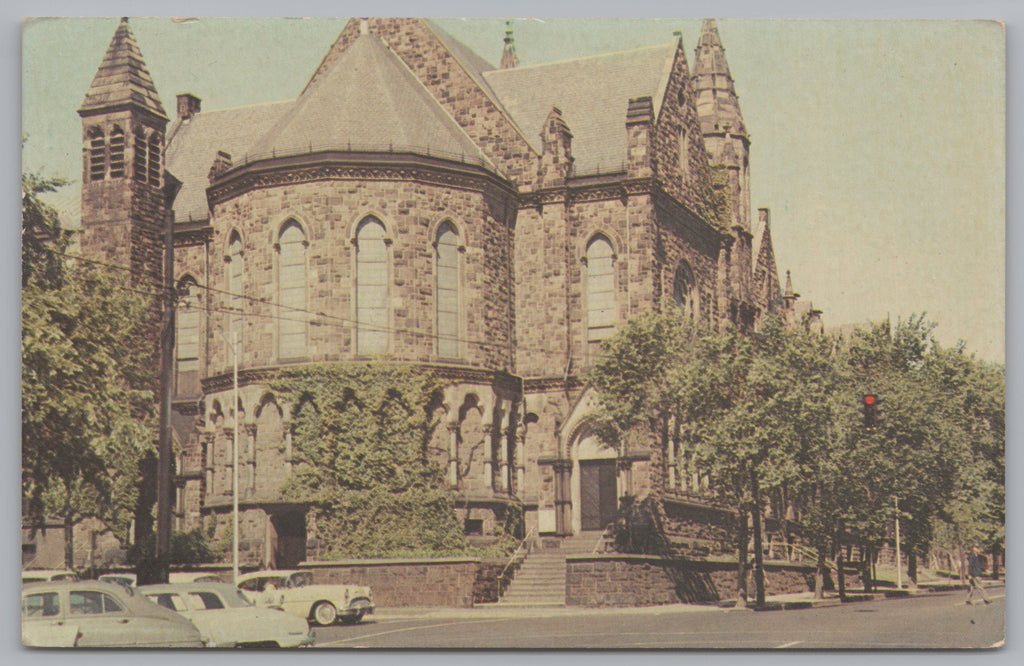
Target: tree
[(86, 377)]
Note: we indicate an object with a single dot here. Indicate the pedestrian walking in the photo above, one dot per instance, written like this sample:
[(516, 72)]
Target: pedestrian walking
[(975, 570)]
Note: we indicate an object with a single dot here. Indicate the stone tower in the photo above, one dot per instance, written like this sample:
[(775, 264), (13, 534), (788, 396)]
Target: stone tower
[(728, 146), (123, 136)]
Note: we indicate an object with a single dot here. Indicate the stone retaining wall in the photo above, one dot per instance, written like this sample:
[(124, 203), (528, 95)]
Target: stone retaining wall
[(642, 580), (406, 582)]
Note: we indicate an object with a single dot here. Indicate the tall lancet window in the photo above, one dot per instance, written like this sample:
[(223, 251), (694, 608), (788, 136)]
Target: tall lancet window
[(140, 163), (447, 291), (117, 153), (684, 154), (291, 291), (154, 158), (236, 288), (684, 292), (97, 154), (371, 288), (187, 336), (601, 309)]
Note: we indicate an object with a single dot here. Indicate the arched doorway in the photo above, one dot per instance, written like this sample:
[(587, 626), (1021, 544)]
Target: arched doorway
[(595, 490)]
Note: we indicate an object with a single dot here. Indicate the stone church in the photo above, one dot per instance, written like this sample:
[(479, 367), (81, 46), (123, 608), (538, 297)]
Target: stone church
[(418, 205)]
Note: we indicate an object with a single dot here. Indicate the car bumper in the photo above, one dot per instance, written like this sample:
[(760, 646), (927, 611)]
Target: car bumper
[(357, 608)]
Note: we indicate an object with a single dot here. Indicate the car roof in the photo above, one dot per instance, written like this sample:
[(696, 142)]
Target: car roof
[(272, 572), (47, 572), (198, 586)]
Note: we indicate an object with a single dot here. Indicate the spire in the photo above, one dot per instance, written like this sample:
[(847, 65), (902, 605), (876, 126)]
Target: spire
[(717, 103), (509, 59), (789, 286), (122, 78)]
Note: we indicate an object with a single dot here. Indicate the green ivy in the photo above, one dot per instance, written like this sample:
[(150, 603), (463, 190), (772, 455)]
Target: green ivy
[(361, 460)]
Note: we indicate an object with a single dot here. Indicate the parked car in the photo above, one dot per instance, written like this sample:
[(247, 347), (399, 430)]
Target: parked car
[(93, 614), (227, 618), (126, 579), (193, 577), (296, 593), (47, 575)]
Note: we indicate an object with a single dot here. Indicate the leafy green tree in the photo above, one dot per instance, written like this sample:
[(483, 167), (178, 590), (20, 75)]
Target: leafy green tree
[(86, 378), (361, 442)]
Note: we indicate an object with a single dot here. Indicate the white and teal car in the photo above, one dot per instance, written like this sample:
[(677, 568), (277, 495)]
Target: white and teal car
[(227, 618), (295, 592)]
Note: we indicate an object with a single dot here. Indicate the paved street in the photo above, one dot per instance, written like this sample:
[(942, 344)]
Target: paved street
[(936, 620)]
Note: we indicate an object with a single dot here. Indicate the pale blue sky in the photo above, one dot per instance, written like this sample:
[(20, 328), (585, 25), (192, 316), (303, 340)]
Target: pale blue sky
[(878, 145)]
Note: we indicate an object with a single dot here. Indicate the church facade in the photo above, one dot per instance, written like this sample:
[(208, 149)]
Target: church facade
[(415, 204)]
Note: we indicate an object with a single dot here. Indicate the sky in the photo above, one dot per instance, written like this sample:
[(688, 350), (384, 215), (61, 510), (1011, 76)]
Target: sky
[(879, 146)]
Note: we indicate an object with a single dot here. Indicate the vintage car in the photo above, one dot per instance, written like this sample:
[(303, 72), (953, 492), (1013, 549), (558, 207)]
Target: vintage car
[(94, 614), (121, 578), (47, 575), (227, 618), (295, 592)]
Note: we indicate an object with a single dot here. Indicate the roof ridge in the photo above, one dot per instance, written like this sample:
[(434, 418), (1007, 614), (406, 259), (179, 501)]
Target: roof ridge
[(595, 56)]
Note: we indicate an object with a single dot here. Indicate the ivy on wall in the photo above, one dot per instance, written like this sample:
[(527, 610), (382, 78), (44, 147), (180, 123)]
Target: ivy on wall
[(361, 437)]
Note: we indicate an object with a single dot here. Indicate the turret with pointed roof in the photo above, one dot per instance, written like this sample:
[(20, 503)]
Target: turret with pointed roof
[(123, 129), (509, 59), (721, 122)]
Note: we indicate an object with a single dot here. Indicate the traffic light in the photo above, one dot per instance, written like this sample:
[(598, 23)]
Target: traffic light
[(869, 404)]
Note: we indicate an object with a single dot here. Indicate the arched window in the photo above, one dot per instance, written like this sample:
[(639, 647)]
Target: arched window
[(154, 158), (684, 293), (117, 153), (187, 336), (684, 154), (447, 258), (140, 159), (235, 287), (601, 309), (97, 154), (371, 288), (291, 291)]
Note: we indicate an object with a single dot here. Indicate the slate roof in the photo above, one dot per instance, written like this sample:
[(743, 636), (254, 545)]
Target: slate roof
[(122, 77), (193, 144), (368, 100), (593, 94)]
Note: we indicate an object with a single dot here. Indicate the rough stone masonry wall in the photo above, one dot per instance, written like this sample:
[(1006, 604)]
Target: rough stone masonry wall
[(408, 583), (639, 580), (329, 212)]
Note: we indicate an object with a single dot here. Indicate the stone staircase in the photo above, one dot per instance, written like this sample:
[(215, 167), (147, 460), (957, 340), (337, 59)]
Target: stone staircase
[(540, 580)]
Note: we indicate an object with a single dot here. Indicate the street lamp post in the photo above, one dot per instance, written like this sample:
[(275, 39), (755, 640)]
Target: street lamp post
[(234, 459)]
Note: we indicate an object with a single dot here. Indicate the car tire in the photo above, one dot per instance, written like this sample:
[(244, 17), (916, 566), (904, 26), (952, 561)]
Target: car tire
[(353, 619), (324, 613)]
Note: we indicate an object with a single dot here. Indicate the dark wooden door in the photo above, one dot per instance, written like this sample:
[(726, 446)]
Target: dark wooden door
[(290, 548), (598, 497)]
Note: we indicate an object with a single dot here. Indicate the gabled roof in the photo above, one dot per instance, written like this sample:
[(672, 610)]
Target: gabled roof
[(368, 100), (593, 94), (122, 78), (193, 144)]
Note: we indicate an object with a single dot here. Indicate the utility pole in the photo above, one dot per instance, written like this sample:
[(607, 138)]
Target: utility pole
[(899, 559), (234, 461), (164, 491)]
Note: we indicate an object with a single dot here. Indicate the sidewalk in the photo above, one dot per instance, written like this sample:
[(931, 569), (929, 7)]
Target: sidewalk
[(795, 601)]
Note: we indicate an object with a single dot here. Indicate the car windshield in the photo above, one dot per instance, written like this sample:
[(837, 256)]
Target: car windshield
[(300, 579), (241, 600)]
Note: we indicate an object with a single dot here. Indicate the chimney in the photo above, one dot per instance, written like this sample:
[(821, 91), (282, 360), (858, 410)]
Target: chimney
[(639, 118), (188, 105), (221, 163)]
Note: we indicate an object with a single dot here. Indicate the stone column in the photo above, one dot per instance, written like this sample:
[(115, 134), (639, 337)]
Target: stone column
[(453, 455), (625, 477), (250, 432), (286, 428), (563, 497), (520, 461)]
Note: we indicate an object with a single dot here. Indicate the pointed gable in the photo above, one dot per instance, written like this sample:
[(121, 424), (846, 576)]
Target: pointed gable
[(593, 94), (368, 100), (122, 78)]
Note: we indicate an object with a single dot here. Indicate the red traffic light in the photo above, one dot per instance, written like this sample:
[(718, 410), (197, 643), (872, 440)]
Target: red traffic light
[(870, 400)]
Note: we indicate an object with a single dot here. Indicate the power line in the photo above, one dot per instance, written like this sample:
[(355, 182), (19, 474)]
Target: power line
[(343, 323)]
